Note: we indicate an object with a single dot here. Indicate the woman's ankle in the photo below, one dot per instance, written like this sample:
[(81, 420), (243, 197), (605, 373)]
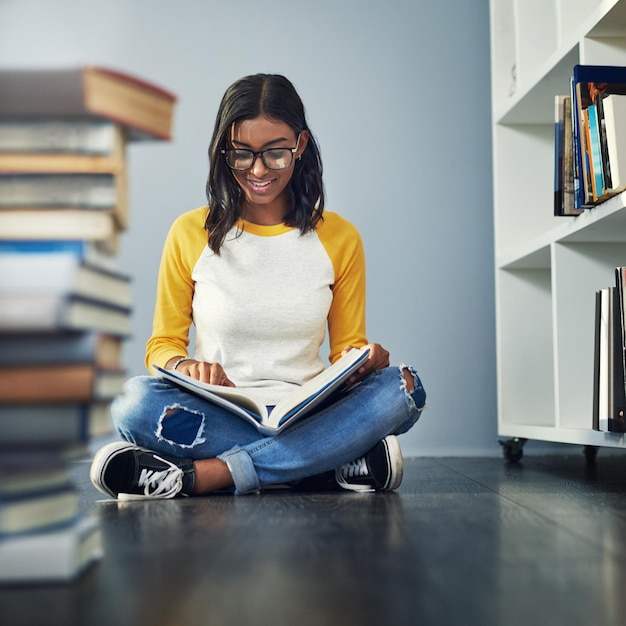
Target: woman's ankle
[(211, 475)]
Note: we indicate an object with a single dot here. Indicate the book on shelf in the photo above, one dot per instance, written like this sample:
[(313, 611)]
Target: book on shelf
[(597, 170), (54, 556), (617, 375), (56, 312), (564, 159), (24, 271), (47, 424), (599, 374), (569, 190), (590, 83), (30, 511), (64, 347), (609, 389), (296, 405), (79, 382), (144, 109), (65, 223), (559, 154), (602, 380), (620, 344), (604, 153), (614, 108)]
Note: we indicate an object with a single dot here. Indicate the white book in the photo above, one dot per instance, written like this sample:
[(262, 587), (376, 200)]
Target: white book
[(615, 128), (37, 510), (604, 360), (292, 407), (57, 135), (46, 312), (61, 272), (90, 191), (58, 224), (25, 479), (56, 556)]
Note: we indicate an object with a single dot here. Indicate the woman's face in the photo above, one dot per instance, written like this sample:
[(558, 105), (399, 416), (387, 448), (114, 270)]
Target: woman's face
[(264, 188)]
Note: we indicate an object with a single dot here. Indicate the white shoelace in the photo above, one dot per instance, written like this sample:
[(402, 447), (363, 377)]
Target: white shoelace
[(358, 467), (158, 484)]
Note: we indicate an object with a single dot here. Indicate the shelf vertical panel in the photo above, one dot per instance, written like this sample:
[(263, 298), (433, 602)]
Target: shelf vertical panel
[(525, 340), (578, 271), (523, 183), (537, 35), (504, 56)]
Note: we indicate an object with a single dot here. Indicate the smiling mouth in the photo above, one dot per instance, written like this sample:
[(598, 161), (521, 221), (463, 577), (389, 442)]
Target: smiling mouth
[(259, 185)]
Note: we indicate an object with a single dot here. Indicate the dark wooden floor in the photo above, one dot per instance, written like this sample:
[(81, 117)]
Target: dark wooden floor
[(467, 541)]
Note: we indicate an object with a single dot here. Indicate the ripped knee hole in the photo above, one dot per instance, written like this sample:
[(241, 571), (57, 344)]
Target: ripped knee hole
[(408, 379)]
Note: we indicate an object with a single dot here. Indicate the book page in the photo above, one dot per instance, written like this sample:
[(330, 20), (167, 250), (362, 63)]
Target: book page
[(294, 405), (318, 388)]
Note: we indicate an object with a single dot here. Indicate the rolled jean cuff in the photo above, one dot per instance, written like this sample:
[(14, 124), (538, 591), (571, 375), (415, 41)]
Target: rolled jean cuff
[(242, 470)]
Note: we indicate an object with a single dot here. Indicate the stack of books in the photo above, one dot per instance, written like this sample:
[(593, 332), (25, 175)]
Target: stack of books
[(609, 397), (590, 139), (65, 305)]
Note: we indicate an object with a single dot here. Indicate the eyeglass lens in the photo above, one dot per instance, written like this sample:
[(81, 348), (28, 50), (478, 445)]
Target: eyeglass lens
[(274, 158)]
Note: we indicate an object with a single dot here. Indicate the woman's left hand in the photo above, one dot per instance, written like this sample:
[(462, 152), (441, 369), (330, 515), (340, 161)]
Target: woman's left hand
[(378, 359)]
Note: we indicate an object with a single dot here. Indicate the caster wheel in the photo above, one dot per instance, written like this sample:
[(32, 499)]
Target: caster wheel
[(513, 449), (590, 453)]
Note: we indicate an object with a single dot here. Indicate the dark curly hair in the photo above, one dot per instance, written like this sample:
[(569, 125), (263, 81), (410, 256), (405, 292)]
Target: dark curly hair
[(273, 96)]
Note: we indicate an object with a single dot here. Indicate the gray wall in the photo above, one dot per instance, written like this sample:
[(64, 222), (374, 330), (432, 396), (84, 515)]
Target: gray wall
[(397, 93)]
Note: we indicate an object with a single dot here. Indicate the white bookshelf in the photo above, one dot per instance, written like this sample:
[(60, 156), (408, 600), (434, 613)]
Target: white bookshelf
[(547, 268)]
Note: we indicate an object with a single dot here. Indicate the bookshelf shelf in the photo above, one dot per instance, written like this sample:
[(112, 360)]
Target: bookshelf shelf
[(548, 268)]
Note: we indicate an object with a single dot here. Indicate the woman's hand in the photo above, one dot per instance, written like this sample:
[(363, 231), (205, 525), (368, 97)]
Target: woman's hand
[(212, 373), (378, 359)]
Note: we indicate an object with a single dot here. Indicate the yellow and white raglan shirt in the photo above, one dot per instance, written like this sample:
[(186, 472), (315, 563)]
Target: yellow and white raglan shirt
[(261, 307)]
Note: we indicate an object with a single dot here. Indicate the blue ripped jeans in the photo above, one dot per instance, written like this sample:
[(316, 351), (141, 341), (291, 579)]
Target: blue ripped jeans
[(155, 414)]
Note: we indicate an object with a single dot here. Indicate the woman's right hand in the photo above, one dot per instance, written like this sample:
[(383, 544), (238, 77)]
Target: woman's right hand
[(212, 373)]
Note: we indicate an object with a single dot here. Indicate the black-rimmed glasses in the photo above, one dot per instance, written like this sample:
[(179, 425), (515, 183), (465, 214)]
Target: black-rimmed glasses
[(273, 158)]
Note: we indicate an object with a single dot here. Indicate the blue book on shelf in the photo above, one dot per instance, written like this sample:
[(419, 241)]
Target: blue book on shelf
[(594, 149)]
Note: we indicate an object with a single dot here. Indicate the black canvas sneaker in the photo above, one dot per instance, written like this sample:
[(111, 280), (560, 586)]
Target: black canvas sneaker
[(380, 469), (128, 472)]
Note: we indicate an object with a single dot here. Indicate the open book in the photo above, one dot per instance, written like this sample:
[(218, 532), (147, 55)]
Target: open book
[(292, 407)]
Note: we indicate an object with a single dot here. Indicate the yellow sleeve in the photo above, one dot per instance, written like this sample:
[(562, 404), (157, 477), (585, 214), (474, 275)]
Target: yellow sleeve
[(346, 319), (186, 240)]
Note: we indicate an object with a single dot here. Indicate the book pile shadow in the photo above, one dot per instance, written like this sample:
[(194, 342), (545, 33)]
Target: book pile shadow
[(65, 303)]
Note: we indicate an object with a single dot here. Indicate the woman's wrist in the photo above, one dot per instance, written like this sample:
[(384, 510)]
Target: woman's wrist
[(172, 364)]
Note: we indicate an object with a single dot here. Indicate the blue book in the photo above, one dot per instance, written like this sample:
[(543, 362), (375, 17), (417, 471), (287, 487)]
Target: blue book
[(92, 252), (597, 176)]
